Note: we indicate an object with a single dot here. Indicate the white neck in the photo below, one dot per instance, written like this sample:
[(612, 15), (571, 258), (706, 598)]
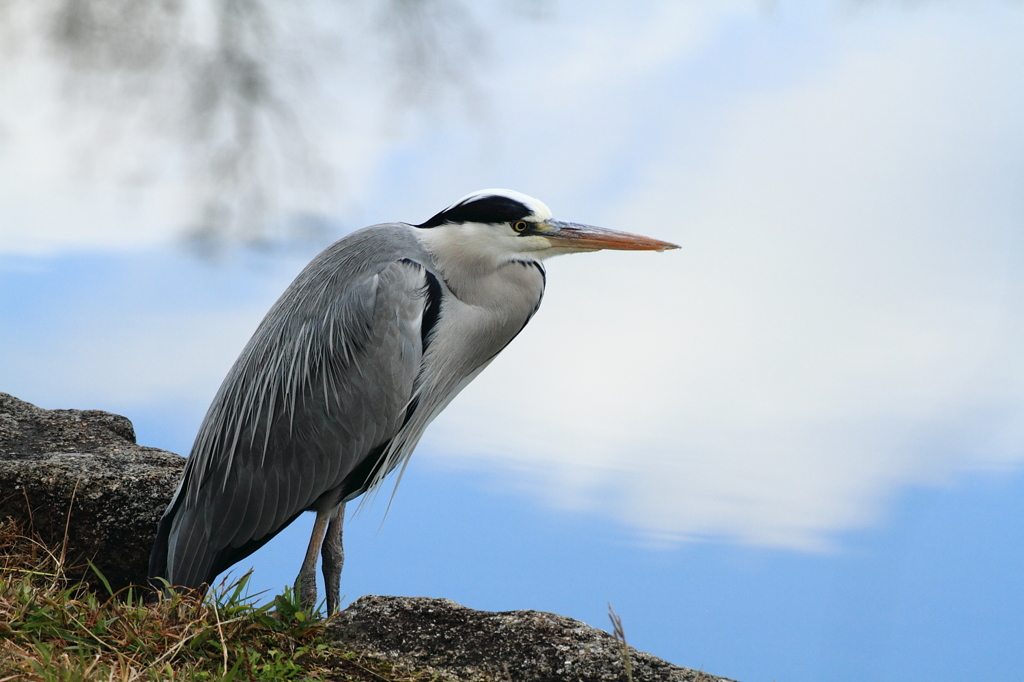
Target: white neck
[(482, 265)]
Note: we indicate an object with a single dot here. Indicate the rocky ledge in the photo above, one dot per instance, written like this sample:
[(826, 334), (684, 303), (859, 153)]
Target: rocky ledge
[(457, 643), (78, 475), (77, 479)]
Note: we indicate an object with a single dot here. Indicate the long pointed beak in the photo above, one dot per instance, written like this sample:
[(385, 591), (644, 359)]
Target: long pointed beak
[(576, 237)]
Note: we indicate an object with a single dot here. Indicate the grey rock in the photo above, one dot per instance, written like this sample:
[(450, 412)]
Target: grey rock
[(80, 473), (441, 637)]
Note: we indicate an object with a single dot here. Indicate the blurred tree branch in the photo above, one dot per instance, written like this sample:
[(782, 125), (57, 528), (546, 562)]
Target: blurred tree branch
[(230, 83)]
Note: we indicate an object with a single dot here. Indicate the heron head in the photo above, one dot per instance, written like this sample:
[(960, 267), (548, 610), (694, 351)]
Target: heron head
[(507, 225)]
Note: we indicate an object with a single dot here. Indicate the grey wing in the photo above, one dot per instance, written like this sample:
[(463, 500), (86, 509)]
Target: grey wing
[(317, 393)]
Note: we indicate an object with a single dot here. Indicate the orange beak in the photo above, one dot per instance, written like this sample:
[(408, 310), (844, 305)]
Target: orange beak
[(576, 237)]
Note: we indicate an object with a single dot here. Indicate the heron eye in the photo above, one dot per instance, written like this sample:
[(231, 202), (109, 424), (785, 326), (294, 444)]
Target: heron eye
[(520, 226)]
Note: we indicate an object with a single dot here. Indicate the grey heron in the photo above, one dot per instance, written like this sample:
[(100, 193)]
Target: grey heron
[(341, 378)]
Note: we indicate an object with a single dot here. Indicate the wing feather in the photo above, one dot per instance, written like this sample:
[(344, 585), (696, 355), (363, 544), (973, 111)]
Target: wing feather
[(323, 384)]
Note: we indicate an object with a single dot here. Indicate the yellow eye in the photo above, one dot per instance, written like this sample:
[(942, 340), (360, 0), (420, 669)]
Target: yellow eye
[(520, 226)]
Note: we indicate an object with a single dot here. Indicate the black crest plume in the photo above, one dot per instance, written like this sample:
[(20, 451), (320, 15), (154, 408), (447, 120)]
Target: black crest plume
[(490, 209)]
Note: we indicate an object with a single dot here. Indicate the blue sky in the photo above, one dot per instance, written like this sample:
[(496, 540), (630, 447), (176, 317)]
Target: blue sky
[(790, 450)]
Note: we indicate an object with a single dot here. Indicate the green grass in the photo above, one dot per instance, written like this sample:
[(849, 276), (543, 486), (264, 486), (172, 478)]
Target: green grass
[(55, 630)]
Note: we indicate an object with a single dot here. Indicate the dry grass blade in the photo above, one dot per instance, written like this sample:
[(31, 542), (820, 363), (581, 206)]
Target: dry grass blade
[(220, 631), (67, 523), (620, 636)]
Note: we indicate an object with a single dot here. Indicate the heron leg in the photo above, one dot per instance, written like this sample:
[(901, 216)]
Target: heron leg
[(305, 585), (334, 559)]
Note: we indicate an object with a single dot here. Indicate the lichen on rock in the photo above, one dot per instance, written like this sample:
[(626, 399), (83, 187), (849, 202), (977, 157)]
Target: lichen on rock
[(460, 643)]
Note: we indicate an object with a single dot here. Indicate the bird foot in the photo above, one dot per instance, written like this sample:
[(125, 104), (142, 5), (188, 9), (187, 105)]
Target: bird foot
[(305, 590)]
